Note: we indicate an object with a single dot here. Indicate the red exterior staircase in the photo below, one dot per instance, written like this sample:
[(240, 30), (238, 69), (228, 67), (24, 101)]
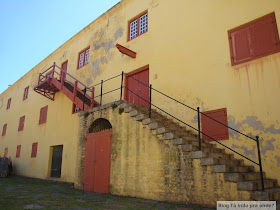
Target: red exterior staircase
[(55, 79)]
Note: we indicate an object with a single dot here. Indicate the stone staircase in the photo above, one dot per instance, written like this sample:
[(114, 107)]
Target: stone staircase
[(233, 170)]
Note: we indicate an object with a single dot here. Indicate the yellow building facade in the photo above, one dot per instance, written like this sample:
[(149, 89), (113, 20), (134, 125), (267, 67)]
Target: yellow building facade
[(188, 48)]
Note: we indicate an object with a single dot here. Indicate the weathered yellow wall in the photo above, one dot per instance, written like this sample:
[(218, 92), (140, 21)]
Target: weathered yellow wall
[(186, 46)]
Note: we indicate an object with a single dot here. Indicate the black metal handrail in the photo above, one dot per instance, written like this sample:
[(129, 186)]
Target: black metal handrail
[(196, 110)]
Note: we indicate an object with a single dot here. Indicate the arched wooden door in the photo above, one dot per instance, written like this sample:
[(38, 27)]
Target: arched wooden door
[(98, 157)]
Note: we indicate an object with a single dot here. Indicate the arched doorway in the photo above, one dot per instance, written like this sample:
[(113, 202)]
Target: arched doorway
[(98, 157)]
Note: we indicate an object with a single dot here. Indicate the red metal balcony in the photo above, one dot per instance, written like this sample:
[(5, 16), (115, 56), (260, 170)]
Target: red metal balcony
[(55, 79)]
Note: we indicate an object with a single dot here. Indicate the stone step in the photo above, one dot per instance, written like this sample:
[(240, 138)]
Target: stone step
[(133, 113), (216, 161), (272, 194), (203, 154), (194, 147), (128, 109), (146, 121), (153, 126), (124, 105), (256, 184), (239, 177), (230, 169), (140, 117), (168, 136)]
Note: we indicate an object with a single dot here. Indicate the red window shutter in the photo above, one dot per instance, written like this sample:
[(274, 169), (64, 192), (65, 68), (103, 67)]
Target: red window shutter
[(213, 128), (18, 151), (265, 36), (25, 94), (241, 45), (34, 150), (4, 130), (21, 123), (43, 115), (9, 103), (6, 152)]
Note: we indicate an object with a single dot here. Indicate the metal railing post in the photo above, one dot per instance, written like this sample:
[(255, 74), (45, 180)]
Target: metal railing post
[(260, 161), (121, 87), (84, 98), (53, 69), (92, 97), (101, 92), (199, 132), (150, 105)]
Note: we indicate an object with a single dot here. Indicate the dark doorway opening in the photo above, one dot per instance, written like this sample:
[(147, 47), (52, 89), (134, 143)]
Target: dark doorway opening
[(56, 161)]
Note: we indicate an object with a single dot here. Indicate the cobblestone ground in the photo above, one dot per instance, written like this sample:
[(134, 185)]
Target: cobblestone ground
[(26, 193)]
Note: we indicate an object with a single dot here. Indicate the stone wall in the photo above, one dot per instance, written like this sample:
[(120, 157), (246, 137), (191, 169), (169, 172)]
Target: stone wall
[(144, 165)]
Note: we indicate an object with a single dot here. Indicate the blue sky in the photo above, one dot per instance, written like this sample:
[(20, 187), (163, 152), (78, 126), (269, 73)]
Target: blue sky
[(30, 30)]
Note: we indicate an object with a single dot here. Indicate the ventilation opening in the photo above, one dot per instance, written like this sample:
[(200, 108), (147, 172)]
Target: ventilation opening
[(100, 124)]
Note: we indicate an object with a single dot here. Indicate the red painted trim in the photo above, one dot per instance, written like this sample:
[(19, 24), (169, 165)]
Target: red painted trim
[(138, 25), (246, 25), (126, 51), (82, 51)]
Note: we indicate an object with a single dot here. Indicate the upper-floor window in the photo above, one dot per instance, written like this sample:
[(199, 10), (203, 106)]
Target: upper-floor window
[(4, 130), (25, 94), (83, 58), (253, 40), (9, 103), (43, 115), (21, 123), (138, 25)]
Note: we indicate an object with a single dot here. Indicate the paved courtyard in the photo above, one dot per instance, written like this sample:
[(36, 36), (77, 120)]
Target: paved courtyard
[(18, 192)]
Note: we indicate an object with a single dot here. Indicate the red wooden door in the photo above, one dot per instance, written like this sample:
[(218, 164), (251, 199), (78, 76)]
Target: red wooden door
[(97, 162), (133, 85), (64, 67)]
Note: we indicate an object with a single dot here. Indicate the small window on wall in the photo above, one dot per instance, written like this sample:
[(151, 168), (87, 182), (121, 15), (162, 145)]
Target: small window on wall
[(18, 151), (34, 150), (4, 130), (138, 25), (9, 103), (83, 58), (253, 40), (75, 109), (25, 94), (21, 123), (212, 128), (43, 115), (6, 152)]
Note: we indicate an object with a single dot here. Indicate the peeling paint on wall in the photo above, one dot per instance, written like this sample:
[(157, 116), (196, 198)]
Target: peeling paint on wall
[(118, 33), (247, 152), (89, 81), (278, 160), (96, 68), (253, 122), (268, 146)]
